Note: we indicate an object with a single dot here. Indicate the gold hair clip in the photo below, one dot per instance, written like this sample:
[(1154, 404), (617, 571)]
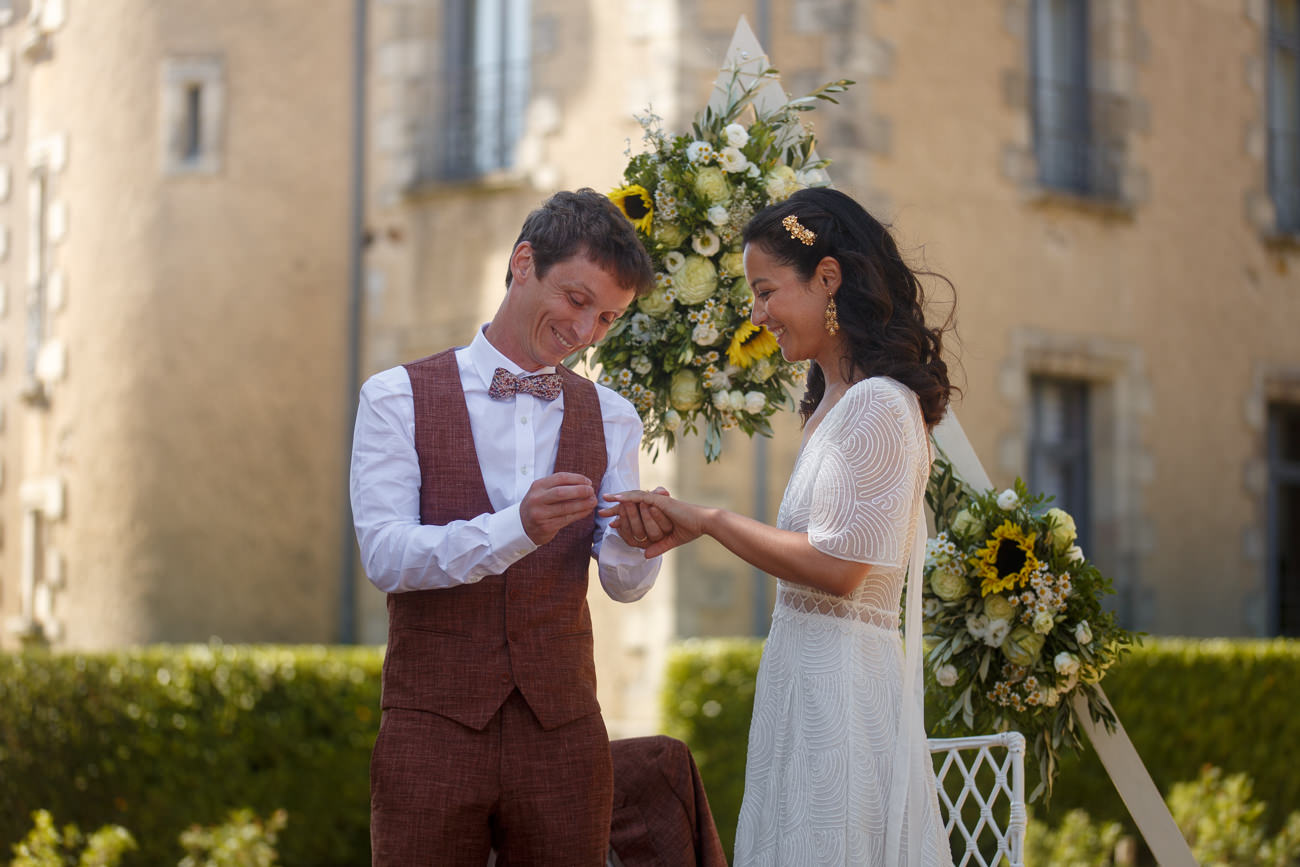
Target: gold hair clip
[(799, 231)]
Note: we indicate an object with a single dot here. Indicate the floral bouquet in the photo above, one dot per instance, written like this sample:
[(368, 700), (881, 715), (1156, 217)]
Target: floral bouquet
[(687, 356), (1013, 619)]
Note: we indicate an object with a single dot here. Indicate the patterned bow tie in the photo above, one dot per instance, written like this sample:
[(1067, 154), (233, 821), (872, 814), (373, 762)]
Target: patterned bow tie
[(505, 384)]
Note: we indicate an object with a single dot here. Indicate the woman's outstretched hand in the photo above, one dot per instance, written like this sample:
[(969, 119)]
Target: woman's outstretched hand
[(675, 522)]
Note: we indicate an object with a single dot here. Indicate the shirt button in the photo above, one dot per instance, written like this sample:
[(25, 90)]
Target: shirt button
[(523, 420), (523, 471)]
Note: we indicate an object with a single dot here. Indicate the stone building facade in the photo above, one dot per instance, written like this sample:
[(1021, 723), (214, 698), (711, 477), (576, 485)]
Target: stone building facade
[(174, 277), (1109, 185)]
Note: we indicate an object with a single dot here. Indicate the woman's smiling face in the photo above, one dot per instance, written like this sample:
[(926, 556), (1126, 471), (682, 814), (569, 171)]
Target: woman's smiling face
[(793, 310)]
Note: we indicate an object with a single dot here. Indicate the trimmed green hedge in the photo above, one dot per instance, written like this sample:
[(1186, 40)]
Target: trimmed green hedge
[(158, 739), (1185, 704)]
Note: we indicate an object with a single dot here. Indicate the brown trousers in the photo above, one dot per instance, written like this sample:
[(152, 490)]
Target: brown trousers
[(442, 793)]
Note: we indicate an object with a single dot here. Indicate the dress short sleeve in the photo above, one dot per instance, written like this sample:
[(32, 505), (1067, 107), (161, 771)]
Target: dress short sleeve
[(871, 457)]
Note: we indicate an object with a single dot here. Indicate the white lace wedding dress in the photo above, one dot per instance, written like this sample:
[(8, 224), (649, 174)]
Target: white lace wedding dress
[(838, 772)]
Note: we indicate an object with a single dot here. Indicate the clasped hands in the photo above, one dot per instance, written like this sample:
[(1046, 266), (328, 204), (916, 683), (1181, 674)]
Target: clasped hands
[(650, 520)]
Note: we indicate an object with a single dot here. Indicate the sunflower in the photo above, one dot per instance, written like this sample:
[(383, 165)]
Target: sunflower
[(1007, 560), (636, 204), (750, 343)]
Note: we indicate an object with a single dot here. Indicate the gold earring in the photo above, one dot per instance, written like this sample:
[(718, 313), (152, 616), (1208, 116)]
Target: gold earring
[(832, 317)]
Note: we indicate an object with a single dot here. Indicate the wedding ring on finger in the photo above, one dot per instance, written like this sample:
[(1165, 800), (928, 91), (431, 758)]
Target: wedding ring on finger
[(636, 538)]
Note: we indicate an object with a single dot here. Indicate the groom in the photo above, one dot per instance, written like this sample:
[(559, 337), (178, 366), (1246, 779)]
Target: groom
[(475, 477)]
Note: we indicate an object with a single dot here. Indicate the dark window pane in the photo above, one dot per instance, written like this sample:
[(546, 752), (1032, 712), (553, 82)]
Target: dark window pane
[(1060, 447)]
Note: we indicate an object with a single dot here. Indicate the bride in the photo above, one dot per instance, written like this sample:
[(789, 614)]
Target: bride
[(837, 770)]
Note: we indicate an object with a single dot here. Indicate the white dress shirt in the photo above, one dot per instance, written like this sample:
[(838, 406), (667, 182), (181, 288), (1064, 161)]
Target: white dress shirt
[(516, 440)]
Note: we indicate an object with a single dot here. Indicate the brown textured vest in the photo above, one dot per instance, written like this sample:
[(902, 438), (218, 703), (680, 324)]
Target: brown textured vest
[(459, 651)]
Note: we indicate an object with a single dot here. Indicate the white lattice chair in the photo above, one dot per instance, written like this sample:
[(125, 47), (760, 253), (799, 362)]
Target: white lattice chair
[(999, 830)]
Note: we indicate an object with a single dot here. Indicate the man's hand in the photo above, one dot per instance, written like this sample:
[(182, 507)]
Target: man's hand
[(638, 524), (553, 503)]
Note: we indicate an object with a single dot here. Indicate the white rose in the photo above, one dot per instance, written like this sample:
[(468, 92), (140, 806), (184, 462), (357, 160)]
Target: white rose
[(674, 261), (761, 370), (736, 135), (722, 400), (718, 215), (732, 160), (977, 625), (946, 674), (754, 402), (1008, 500), (1043, 622), (695, 281), (999, 607), (699, 151), (705, 335), (1066, 663), (642, 365), (656, 303), (780, 183), (1074, 554), (965, 523), (705, 242), (1083, 632), (752, 171), (672, 420), (931, 607)]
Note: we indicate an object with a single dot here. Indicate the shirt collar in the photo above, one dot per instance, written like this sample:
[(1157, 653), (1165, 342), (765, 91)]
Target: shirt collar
[(486, 358)]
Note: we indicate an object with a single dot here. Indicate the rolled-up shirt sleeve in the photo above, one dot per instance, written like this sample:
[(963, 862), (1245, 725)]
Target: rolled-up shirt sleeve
[(625, 573), (398, 552)]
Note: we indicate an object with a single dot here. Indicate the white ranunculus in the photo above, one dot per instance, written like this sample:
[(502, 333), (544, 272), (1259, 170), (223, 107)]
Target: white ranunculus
[(999, 607), (976, 624), (718, 215), (931, 607), (672, 420), (964, 523), (949, 584), (1043, 622), (754, 402), (781, 183), (737, 400), (642, 365), (732, 160), (722, 400), (1083, 632), (656, 303), (1074, 554), (699, 151), (761, 370), (684, 392), (695, 281), (736, 135), (705, 242), (752, 171), (1008, 500), (1063, 532), (946, 674), (1066, 663), (674, 261)]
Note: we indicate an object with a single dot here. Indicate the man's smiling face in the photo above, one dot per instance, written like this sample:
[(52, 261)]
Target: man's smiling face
[(546, 319)]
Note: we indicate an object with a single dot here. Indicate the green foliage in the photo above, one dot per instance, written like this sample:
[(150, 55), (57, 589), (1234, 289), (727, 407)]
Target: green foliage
[(46, 846), (242, 840), (707, 702), (1187, 703), (1184, 703), (1076, 841), (158, 738), (1224, 824)]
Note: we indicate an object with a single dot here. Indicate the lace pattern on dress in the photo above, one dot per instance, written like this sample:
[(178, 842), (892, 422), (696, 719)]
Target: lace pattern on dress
[(842, 607)]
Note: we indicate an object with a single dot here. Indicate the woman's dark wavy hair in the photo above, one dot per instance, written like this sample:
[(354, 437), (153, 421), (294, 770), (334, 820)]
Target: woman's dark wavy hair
[(880, 302)]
